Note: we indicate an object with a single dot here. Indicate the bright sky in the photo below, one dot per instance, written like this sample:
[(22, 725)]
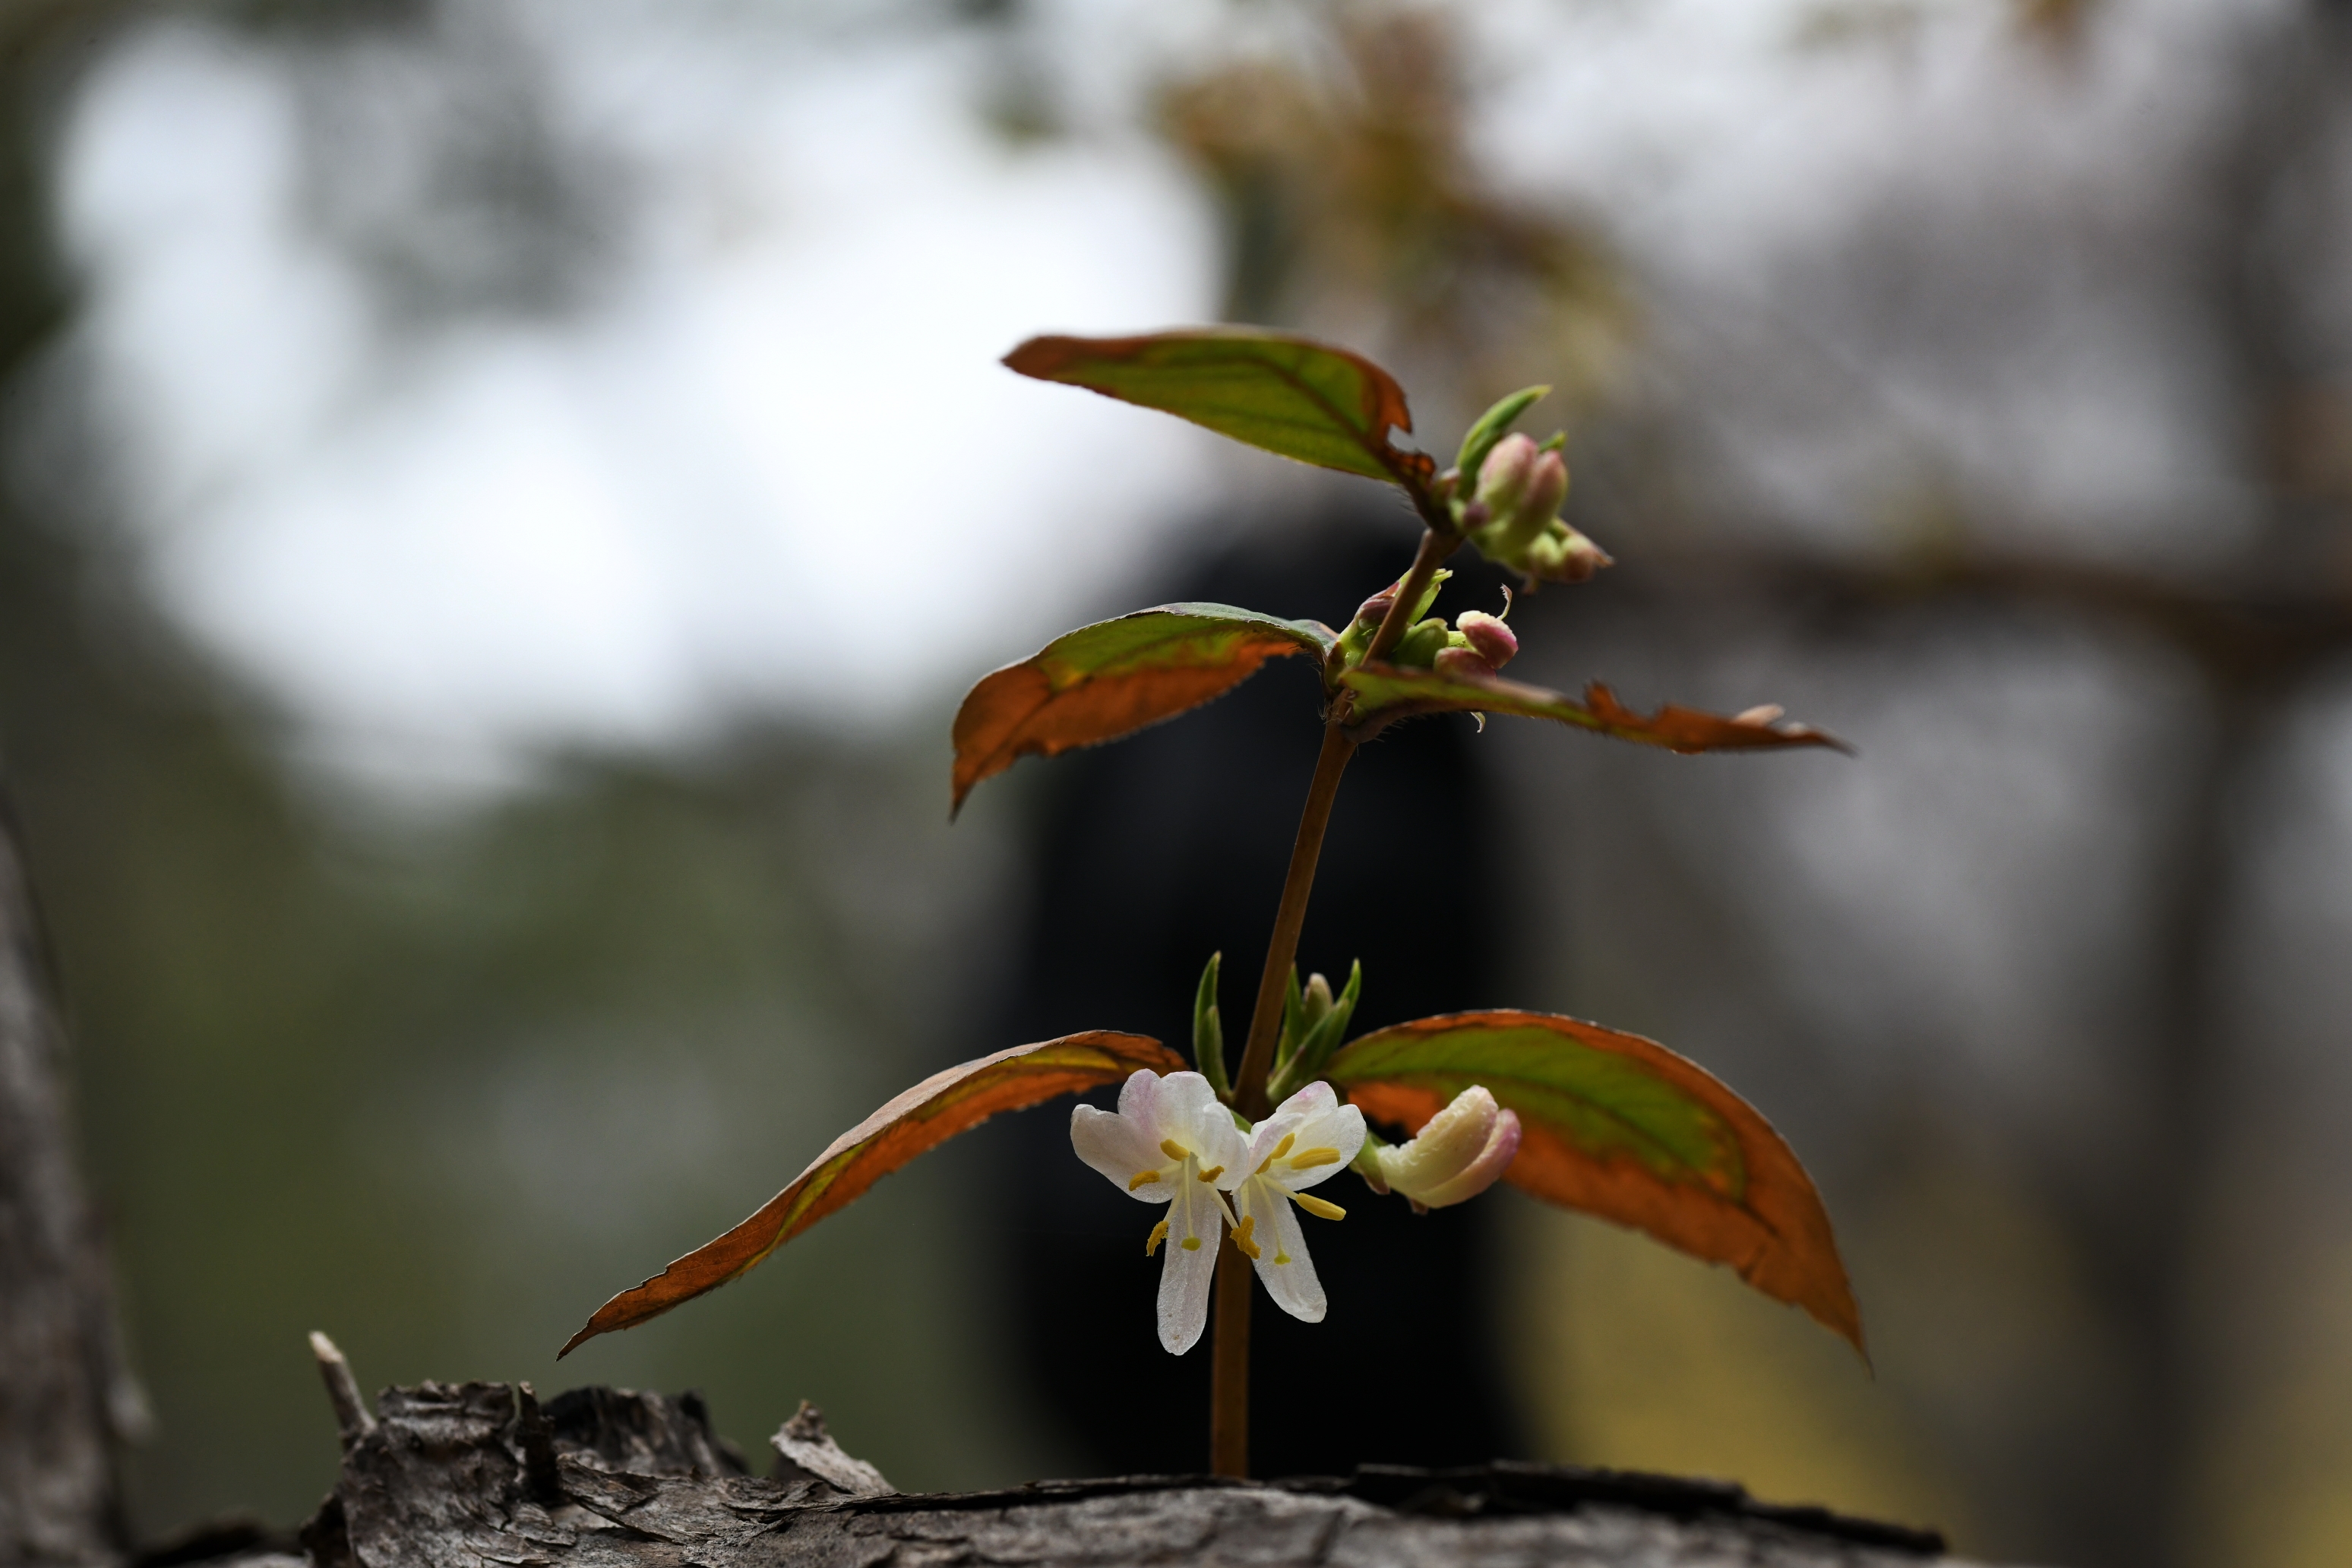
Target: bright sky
[(773, 463)]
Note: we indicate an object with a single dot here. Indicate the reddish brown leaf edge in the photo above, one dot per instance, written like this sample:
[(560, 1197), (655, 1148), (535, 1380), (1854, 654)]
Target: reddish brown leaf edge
[(1387, 694), (1044, 707), (1775, 1233), (917, 1122), (1691, 730)]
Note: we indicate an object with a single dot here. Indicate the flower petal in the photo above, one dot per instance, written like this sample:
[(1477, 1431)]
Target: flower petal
[(1184, 1277), (1322, 1128), (1120, 1150), (1316, 1099), (1138, 1101), (1191, 1113), (1264, 1140), (1282, 1262)]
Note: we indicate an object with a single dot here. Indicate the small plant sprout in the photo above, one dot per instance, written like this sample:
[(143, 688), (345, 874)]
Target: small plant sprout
[(1578, 1115)]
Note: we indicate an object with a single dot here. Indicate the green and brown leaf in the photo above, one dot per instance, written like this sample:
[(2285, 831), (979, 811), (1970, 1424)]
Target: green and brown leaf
[(1287, 394), (1618, 1126), (917, 1122), (1385, 693), (1113, 678)]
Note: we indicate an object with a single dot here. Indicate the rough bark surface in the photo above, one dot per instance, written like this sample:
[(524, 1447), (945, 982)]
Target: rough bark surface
[(468, 1475), (62, 1388)]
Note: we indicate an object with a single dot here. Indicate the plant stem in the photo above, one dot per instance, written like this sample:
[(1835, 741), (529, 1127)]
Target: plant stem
[(1282, 950), (1229, 1379), (1265, 1021), (1435, 548), (1229, 1350)]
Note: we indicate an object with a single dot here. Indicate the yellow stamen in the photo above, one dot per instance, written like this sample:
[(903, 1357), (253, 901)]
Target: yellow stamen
[(1159, 1235), (1212, 1173), (1172, 1148), (1141, 1179), (1242, 1236), (1317, 1208), (1192, 1244), (1279, 1151), (1306, 1160), (1282, 1257)]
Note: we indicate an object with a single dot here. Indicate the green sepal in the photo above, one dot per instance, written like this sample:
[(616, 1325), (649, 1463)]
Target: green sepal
[(1314, 1002), (1486, 433), (1294, 1000), (1356, 641), (1437, 580), (1321, 1039), (1209, 1032), (1418, 648)]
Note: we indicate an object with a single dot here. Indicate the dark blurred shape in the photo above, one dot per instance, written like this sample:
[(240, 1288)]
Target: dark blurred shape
[(1155, 852), (65, 1395)]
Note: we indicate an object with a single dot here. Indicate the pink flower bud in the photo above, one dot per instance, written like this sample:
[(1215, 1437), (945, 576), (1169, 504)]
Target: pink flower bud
[(1564, 555), (1546, 487), (1462, 661), (1526, 499), (1503, 478), (1463, 1151), (1495, 643), (1376, 609)]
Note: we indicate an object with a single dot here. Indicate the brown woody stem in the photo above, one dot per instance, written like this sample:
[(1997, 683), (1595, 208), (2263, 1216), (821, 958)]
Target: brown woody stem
[(1229, 1381), (1229, 1352), (1265, 1020)]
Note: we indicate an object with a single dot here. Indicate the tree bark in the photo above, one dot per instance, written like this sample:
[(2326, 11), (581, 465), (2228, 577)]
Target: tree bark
[(63, 1391), (456, 1476)]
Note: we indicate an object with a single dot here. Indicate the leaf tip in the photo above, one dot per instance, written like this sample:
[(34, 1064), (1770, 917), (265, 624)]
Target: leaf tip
[(1044, 357)]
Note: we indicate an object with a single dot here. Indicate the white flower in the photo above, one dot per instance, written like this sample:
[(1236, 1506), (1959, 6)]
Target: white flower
[(1457, 1154), (1171, 1143), (1309, 1137)]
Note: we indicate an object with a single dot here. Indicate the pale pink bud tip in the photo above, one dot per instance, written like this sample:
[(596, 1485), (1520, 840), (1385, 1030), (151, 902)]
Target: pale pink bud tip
[(1461, 1152), (1504, 477), (1495, 643), (1546, 487), (1459, 662), (1375, 609)]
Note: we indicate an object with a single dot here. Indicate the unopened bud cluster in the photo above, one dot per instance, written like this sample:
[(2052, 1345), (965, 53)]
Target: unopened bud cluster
[(1513, 516)]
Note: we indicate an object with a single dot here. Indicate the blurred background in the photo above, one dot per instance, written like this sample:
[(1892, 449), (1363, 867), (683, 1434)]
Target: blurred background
[(503, 497)]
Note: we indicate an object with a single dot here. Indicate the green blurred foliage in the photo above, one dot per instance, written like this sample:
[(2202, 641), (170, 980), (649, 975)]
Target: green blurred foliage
[(438, 1088)]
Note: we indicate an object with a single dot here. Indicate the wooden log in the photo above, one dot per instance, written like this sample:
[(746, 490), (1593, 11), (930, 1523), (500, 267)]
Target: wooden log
[(456, 1476)]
